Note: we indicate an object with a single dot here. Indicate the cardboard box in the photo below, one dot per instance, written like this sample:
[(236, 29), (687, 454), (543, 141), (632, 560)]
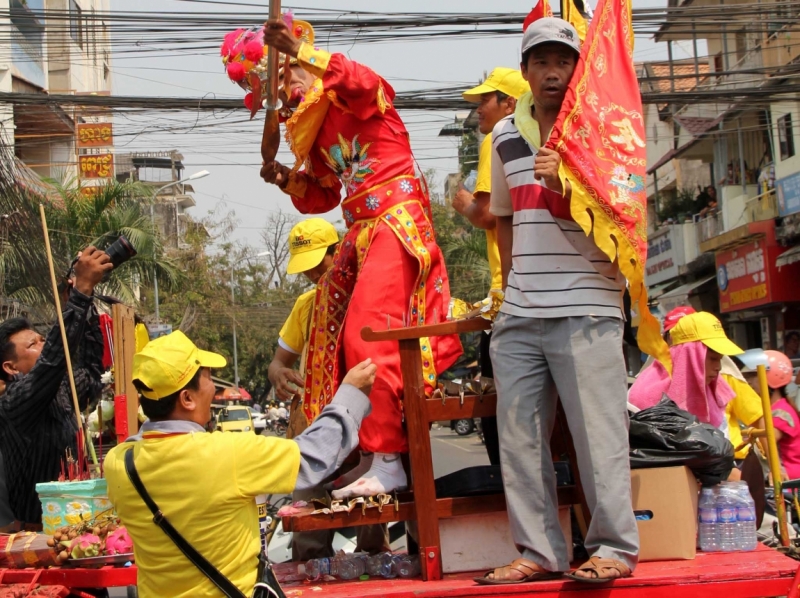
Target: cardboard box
[(483, 542), (669, 495)]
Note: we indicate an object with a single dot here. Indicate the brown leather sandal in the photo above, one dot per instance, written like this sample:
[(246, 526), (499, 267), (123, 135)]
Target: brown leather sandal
[(529, 570), (595, 564)]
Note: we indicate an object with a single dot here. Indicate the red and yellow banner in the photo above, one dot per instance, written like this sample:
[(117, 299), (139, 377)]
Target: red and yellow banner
[(94, 135), (97, 166), (600, 135)]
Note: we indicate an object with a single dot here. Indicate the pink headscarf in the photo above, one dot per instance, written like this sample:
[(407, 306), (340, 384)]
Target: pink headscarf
[(687, 387)]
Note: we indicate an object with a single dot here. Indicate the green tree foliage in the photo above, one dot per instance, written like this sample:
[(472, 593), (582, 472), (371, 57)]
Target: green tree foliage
[(201, 305), (468, 152), (464, 249), (74, 222), (678, 206)]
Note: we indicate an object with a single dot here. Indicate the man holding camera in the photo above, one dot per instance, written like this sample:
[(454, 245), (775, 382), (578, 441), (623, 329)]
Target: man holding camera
[(37, 421)]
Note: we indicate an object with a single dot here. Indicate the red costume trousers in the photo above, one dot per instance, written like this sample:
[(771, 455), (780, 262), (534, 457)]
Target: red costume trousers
[(385, 283)]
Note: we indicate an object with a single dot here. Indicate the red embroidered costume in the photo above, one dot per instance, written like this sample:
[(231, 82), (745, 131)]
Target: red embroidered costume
[(388, 268)]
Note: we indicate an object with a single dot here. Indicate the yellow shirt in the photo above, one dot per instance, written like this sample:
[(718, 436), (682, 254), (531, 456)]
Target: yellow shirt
[(205, 484), (484, 185), (745, 407), (295, 331)]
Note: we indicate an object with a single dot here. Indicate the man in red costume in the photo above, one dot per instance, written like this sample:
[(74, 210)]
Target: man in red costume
[(346, 135)]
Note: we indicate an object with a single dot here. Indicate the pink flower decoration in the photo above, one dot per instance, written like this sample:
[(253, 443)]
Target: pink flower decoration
[(235, 71), (254, 51), (229, 41)]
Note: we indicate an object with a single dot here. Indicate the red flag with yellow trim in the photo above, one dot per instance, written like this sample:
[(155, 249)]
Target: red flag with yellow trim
[(540, 9), (600, 136)]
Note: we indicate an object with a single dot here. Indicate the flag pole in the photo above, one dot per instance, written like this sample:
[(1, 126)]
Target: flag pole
[(70, 373)]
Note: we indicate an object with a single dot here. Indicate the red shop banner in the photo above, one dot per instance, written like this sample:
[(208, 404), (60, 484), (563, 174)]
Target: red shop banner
[(747, 277)]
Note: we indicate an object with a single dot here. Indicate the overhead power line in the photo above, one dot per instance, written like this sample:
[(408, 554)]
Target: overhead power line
[(445, 98)]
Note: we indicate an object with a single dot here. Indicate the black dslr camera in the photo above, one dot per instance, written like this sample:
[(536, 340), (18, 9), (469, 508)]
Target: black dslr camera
[(120, 251)]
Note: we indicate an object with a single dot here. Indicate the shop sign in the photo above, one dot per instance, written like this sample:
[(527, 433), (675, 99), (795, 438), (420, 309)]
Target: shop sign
[(95, 135), (743, 277), (788, 190), (98, 166), (662, 259)]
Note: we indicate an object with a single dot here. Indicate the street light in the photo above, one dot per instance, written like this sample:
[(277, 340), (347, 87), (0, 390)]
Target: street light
[(195, 176), (233, 317)]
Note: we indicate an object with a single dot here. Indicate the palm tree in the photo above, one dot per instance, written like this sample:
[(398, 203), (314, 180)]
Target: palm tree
[(464, 249), (467, 263), (75, 222)]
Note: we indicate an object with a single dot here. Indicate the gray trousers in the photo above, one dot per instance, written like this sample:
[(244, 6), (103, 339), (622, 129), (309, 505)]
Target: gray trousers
[(579, 359)]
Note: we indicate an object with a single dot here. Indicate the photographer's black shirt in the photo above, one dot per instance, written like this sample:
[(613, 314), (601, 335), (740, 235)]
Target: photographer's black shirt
[(37, 419)]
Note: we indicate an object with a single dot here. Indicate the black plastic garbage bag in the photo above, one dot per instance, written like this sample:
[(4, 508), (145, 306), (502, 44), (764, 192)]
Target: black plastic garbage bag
[(665, 435)]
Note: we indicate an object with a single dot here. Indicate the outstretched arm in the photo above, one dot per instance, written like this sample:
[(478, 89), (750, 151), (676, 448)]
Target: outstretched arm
[(326, 443)]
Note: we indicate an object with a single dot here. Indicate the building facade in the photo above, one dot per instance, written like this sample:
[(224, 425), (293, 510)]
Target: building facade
[(67, 52), (160, 172), (738, 255)]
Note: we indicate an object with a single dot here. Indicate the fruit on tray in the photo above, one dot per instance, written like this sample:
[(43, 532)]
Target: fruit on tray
[(85, 546), (102, 536), (119, 542)]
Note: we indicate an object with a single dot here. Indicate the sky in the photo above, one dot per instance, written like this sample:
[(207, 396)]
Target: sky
[(229, 148)]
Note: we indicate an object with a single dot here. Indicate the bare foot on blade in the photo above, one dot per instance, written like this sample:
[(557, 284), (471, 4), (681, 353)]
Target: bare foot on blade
[(385, 474), (354, 474)]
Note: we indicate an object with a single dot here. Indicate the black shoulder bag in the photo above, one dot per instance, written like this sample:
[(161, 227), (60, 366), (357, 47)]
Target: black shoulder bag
[(267, 585)]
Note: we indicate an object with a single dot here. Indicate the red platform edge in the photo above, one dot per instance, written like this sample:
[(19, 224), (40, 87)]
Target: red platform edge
[(103, 577), (759, 574)]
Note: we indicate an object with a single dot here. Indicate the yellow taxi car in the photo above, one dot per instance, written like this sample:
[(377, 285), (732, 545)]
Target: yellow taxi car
[(236, 418)]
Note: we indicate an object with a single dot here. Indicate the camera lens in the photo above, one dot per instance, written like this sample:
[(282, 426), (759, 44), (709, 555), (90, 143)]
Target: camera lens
[(120, 251)]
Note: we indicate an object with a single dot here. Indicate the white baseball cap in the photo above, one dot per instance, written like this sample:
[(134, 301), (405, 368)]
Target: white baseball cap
[(550, 30)]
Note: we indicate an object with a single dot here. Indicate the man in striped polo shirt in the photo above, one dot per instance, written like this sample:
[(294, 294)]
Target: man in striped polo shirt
[(559, 335)]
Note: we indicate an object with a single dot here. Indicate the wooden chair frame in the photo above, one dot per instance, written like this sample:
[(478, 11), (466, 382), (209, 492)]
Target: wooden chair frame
[(420, 411)]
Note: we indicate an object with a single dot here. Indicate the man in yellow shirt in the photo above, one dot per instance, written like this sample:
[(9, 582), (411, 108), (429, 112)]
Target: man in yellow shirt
[(205, 484), (496, 98), (312, 244)]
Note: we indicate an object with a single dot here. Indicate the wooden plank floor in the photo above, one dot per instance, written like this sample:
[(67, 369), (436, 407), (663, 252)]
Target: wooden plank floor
[(760, 574)]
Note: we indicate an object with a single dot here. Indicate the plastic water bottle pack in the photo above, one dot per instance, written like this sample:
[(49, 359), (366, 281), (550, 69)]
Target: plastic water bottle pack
[(746, 517), (707, 520), (727, 519), (352, 566)]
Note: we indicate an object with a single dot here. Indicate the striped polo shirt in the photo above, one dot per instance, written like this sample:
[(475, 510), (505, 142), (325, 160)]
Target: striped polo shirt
[(556, 270)]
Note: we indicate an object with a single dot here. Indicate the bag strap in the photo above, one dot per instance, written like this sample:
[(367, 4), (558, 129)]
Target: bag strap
[(198, 560)]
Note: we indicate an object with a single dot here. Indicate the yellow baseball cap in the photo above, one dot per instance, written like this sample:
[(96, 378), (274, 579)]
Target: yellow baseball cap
[(166, 364), (505, 80), (308, 242), (706, 328)]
